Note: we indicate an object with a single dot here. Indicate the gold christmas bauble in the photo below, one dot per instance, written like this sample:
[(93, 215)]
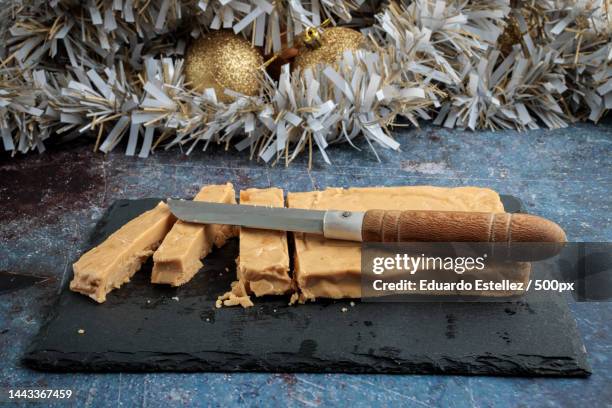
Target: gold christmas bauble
[(330, 48), (221, 59)]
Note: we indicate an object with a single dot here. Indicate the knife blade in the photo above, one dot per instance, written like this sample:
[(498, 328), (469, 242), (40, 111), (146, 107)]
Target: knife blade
[(274, 218), (377, 225)]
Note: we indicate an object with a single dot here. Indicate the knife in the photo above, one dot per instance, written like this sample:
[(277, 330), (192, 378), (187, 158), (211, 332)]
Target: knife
[(377, 225)]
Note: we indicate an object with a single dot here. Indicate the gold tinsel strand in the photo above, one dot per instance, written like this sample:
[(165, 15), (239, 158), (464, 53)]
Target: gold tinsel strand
[(68, 67)]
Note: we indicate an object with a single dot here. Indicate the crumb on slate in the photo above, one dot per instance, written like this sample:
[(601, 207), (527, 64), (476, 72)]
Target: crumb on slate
[(344, 309), (81, 331), (352, 304), (175, 298)]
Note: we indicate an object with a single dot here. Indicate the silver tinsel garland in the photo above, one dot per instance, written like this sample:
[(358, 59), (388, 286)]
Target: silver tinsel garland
[(114, 69)]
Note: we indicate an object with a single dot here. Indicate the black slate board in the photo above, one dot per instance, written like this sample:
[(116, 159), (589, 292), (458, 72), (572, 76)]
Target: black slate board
[(143, 327)]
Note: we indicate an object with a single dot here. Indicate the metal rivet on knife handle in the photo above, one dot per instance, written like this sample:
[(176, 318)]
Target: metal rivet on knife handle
[(345, 225)]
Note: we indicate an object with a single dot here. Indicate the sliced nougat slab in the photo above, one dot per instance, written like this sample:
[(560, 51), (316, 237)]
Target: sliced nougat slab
[(331, 268), (114, 261), (178, 257), (263, 264)]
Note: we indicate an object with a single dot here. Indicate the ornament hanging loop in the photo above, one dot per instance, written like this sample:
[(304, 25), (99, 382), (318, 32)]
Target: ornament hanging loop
[(311, 39), (312, 35)]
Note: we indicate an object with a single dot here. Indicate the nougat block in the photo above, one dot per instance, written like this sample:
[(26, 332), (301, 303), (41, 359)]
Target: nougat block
[(178, 257), (263, 264), (331, 268), (114, 261)]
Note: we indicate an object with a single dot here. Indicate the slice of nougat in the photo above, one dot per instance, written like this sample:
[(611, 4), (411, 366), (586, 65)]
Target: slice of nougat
[(263, 264), (114, 261), (331, 268), (178, 257)]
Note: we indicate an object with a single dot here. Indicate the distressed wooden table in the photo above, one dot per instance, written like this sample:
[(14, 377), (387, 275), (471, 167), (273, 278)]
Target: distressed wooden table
[(51, 201)]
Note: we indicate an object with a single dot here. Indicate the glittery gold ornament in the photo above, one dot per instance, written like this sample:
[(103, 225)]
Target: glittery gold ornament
[(328, 46), (220, 60)]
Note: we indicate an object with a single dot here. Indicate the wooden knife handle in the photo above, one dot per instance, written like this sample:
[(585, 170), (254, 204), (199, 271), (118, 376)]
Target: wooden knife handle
[(454, 226)]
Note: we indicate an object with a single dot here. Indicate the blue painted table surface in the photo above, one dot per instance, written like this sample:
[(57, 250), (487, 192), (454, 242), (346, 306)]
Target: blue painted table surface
[(51, 201)]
